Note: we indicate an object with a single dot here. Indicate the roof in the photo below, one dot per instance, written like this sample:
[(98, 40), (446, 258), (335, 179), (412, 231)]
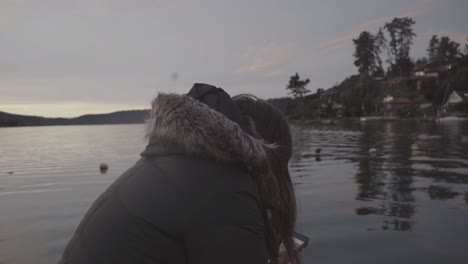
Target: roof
[(336, 106), (462, 94), (428, 68), (419, 67)]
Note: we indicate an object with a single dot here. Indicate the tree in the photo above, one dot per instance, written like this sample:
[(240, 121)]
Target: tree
[(367, 54), (442, 50), (448, 49), (298, 86), (466, 47), (433, 46), (401, 36), (422, 60)]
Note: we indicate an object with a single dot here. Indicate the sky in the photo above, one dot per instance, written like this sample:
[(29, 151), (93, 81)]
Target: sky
[(72, 57)]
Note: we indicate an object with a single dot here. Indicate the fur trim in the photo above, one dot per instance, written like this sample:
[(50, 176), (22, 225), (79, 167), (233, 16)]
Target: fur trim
[(203, 132)]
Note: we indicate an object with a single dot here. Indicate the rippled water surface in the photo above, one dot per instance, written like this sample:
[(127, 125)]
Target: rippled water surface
[(378, 192)]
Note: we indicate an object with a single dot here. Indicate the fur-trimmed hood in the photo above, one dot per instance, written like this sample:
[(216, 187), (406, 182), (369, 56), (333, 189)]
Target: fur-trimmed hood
[(197, 130)]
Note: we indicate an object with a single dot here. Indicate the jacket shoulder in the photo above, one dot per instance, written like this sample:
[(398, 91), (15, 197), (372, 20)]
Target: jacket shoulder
[(169, 191)]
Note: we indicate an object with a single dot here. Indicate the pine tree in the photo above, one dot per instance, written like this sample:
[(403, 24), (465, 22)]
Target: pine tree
[(401, 35), (367, 54), (298, 86)]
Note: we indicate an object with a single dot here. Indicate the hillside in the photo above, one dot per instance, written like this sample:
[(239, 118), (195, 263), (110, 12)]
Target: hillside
[(121, 117), (424, 93)]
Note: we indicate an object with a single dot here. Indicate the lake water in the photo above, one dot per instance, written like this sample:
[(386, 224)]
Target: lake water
[(406, 201)]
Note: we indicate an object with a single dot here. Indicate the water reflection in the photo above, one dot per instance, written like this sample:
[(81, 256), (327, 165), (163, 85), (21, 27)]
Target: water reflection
[(441, 193), (49, 176), (416, 179), (387, 179), (399, 165)]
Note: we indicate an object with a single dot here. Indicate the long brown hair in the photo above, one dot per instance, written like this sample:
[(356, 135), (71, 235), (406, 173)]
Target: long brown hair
[(276, 193)]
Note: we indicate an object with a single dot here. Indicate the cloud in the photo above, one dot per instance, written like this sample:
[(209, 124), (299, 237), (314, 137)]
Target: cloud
[(267, 59), (102, 7), (8, 8), (11, 8), (337, 42), (274, 73), (373, 24)]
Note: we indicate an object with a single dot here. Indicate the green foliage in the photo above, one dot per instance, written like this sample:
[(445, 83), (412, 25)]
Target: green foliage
[(435, 90), (461, 107), (402, 67), (281, 104), (298, 86), (466, 48), (358, 94), (297, 108), (401, 35), (460, 78), (442, 50), (422, 60), (429, 87), (433, 46), (361, 94), (409, 112), (367, 54), (351, 101), (448, 49)]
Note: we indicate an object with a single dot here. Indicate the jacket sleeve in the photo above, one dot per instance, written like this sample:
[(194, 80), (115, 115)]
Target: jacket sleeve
[(228, 229)]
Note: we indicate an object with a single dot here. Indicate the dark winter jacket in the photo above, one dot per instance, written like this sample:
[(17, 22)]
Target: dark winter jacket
[(191, 198)]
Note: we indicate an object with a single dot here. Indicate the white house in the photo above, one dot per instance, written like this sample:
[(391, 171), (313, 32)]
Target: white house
[(420, 73), (387, 99), (433, 74), (422, 70), (456, 97)]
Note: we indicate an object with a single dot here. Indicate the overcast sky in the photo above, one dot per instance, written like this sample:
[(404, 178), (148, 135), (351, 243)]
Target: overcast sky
[(71, 57)]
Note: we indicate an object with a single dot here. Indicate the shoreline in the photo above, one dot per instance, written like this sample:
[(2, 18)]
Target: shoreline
[(377, 118), (70, 125)]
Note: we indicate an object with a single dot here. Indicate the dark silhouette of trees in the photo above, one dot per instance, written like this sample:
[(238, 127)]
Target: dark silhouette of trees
[(466, 48), (432, 49), (361, 94), (298, 86), (367, 54), (442, 50), (422, 60), (400, 38)]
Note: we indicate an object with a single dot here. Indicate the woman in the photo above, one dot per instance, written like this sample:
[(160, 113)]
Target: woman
[(195, 196), (276, 193)]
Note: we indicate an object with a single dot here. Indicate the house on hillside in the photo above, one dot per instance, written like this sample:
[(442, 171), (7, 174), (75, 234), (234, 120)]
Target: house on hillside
[(445, 68), (329, 94), (337, 109), (394, 81), (424, 70), (396, 100), (423, 105), (331, 109), (419, 70), (432, 73), (456, 97)]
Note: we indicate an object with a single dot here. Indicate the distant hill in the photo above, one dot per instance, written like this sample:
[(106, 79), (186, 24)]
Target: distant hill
[(121, 117)]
